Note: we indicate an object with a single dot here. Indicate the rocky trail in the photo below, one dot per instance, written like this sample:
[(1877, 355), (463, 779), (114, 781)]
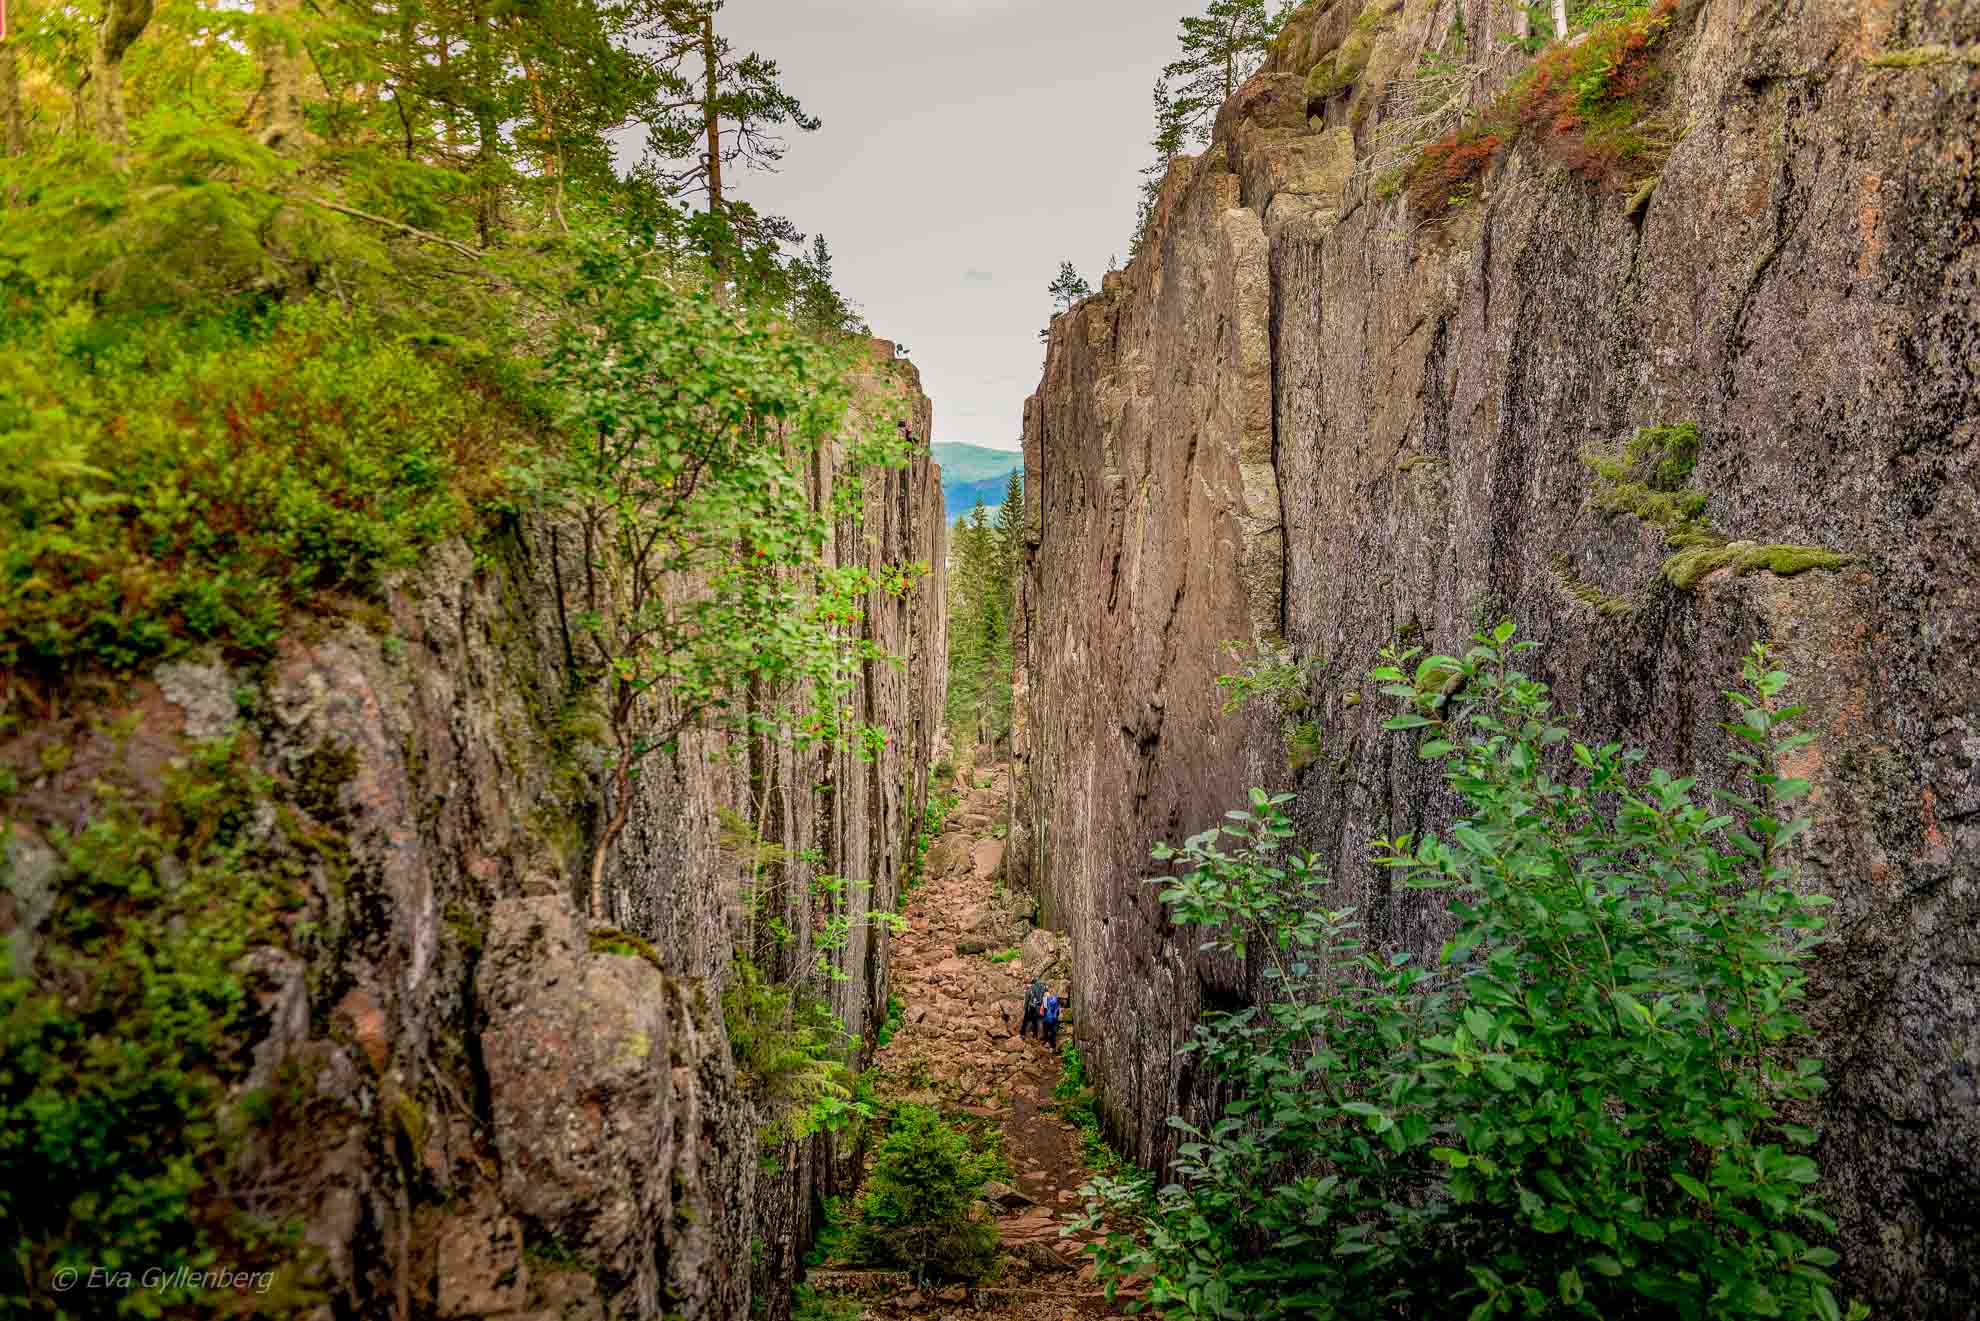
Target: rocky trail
[(958, 1048)]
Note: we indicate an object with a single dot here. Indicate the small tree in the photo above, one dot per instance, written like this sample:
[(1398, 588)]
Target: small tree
[(689, 422), (917, 1208), (1221, 47), (1068, 287), (715, 107)]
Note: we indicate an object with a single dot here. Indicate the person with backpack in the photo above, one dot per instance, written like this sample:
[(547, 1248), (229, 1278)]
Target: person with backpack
[(1034, 1001), (1050, 1017)]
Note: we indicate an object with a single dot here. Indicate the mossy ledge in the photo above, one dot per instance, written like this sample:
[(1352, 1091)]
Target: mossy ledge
[(1648, 477), (1687, 568)]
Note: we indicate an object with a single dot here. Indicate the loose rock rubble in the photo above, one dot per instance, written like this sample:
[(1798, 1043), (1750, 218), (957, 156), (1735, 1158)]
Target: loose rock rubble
[(959, 1048)]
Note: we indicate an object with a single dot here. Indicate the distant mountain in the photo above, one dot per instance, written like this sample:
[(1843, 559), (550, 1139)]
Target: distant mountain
[(974, 472)]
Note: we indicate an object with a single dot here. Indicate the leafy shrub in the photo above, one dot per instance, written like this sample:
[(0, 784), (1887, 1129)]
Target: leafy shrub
[(917, 1208), (1585, 1109), (168, 484), (834, 1233), (896, 1016), (1074, 1093), (934, 816), (115, 1061)]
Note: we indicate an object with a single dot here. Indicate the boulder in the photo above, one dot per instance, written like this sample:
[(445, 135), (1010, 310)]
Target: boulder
[(1046, 954), (989, 927), (1005, 1199), (614, 1105), (985, 857)]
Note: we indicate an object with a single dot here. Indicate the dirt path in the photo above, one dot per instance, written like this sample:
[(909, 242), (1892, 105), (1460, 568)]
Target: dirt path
[(959, 1048)]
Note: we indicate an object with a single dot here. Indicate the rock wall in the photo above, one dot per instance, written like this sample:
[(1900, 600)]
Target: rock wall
[(1802, 283), (489, 1113)]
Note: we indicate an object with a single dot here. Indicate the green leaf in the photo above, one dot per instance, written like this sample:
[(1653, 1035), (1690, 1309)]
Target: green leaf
[(1691, 1185)]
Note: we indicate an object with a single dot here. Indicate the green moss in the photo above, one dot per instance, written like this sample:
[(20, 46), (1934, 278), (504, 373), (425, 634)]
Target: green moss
[(610, 940), (1415, 461), (1640, 199), (1374, 17), (1302, 746), (1685, 569), (116, 1134), (1646, 478), (1592, 596), (1918, 57), (1661, 458), (320, 780), (461, 923)]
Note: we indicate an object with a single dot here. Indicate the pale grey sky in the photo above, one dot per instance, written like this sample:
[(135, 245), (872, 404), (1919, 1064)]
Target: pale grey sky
[(968, 147)]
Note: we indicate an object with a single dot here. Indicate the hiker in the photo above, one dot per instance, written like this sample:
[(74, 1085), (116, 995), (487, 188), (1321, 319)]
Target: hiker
[(1050, 1016), (1034, 1000)]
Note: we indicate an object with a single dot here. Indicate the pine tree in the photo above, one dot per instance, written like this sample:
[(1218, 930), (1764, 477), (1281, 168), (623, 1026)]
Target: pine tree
[(714, 107), (1068, 287), (1010, 537), (1171, 135), (1221, 47)]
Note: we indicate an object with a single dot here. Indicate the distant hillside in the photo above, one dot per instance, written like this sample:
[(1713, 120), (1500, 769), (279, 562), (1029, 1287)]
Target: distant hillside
[(974, 472)]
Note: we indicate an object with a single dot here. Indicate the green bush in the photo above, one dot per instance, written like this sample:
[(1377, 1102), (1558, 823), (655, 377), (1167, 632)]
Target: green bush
[(792, 1054), (1587, 1108), (934, 816), (896, 1017), (917, 1208), (167, 483), (1077, 1106), (115, 1136), (807, 1304)]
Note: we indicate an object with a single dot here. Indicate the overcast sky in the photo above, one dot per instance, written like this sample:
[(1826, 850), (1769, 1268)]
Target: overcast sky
[(969, 146)]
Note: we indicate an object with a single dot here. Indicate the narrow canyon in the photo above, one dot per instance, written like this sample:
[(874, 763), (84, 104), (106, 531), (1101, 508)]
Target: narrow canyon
[(600, 856)]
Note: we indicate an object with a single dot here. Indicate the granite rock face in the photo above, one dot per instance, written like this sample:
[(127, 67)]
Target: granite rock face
[(1802, 283), (498, 1110)]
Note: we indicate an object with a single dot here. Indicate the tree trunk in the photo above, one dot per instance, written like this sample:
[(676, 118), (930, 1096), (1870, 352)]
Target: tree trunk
[(279, 118), (1560, 20), (123, 23), (13, 132), (486, 128), (711, 120), (601, 913)]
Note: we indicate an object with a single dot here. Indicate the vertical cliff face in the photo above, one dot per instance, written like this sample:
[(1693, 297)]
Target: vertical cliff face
[(479, 1106), (1801, 283)]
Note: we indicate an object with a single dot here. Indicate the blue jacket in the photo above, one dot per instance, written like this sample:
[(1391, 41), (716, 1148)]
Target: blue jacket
[(1051, 1008)]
